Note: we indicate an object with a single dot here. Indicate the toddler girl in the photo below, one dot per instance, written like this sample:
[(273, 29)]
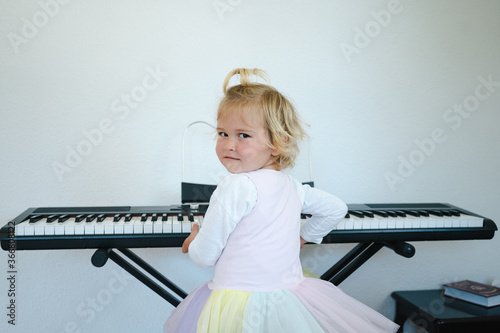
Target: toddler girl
[(252, 231)]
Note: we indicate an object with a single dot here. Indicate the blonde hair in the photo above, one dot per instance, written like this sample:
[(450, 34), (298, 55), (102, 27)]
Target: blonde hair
[(276, 111)]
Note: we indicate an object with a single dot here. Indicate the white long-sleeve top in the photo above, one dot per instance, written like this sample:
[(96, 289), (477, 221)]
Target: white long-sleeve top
[(237, 196)]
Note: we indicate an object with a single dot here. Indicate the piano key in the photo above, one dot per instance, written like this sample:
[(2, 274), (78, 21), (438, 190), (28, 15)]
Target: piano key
[(72, 227), (80, 218), (38, 227), (148, 225), (176, 223), (90, 218), (110, 224), (185, 224), (128, 225), (158, 226), (99, 224), (59, 228), (138, 224), (356, 213)]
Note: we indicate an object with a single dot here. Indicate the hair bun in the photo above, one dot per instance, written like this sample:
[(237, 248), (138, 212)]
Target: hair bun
[(245, 76)]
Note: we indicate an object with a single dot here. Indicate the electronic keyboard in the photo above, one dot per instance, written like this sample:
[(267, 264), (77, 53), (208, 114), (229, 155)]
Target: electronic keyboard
[(47, 228)]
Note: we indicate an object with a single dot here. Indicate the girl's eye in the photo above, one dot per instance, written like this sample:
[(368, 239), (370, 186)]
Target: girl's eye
[(223, 134), (244, 136)]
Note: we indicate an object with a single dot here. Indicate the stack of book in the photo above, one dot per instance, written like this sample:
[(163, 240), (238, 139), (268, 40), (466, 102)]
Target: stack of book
[(473, 292)]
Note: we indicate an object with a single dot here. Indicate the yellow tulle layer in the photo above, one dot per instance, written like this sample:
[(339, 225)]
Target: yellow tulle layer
[(224, 311)]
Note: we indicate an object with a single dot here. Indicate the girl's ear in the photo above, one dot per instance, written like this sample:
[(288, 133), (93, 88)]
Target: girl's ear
[(275, 152)]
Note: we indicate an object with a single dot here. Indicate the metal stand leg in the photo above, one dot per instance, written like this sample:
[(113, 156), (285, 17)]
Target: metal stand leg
[(359, 255), (350, 262), (101, 256)]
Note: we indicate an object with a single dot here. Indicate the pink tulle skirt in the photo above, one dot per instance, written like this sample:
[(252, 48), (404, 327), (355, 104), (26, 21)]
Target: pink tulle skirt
[(313, 305)]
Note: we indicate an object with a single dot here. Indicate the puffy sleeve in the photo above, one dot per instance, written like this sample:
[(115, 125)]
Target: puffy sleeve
[(234, 198), (326, 212)]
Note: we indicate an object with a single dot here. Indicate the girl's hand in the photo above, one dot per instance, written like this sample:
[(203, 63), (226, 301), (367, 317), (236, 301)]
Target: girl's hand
[(302, 242), (194, 231)]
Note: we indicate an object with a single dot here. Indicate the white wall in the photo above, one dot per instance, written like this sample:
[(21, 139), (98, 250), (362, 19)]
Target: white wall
[(376, 80)]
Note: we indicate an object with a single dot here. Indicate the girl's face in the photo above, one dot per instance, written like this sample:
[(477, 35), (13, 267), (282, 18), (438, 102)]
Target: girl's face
[(243, 144)]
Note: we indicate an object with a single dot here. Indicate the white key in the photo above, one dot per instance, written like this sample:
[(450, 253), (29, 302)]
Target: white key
[(50, 229), (67, 227), (349, 223), (148, 225), (33, 229), (159, 224), (167, 225), (383, 222), (79, 225), (59, 228), (138, 225), (186, 224), (391, 223), (109, 225), (473, 221), (176, 225), (198, 219), (372, 223), (118, 226), (99, 225), (357, 222), (89, 226), (341, 225), (128, 225), (19, 228)]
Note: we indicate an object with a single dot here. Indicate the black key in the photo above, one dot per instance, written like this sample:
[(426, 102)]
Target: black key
[(144, 217), (90, 218), (51, 218), (423, 213), (79, 218), (154, 217), (368, 213), (446, 213), (101, 217), (380, 213), (435, 212), (401, 213), (164, 217), (117, 218), (412, 213), (191, 217), (392, 213), (63, 218), (128, 218), (356, 213), (180, 218)]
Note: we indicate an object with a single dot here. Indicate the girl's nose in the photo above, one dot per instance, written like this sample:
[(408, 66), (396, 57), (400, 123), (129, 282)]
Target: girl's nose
[(230, 145)]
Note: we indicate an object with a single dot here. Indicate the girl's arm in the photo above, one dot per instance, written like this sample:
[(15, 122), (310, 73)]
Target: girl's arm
[(327, 211), (234, 198)]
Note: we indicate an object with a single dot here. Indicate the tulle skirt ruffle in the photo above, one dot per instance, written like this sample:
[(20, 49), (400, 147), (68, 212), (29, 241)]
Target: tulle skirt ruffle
[(313, 305)]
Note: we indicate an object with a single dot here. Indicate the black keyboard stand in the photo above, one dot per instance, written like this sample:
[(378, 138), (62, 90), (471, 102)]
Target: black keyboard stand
[(100, 257), (336, 274), (359, 255)]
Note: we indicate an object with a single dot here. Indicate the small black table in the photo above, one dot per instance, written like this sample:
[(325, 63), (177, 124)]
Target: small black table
[(437, 313)]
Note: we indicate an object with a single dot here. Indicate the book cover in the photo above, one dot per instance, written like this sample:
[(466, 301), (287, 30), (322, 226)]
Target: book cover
[(474, 292)]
